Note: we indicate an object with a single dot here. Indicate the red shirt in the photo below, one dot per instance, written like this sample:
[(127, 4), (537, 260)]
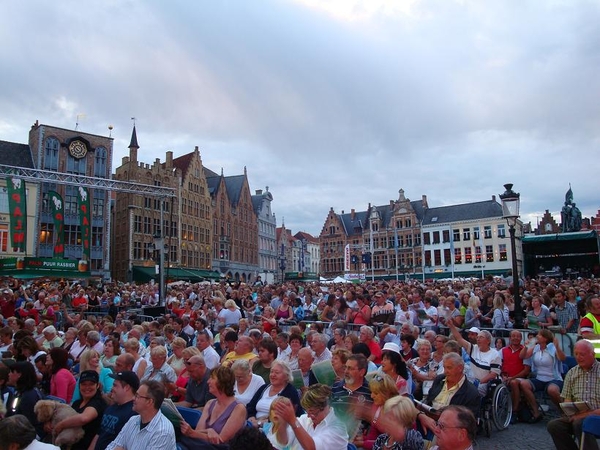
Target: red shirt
[(375, 350), (78, 302), (511, 363)]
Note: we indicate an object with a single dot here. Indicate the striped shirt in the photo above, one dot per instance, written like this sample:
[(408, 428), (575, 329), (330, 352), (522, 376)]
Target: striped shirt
[(158, 434)]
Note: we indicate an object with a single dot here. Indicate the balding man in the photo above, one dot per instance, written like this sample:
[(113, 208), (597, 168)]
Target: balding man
[(451, 388), (581, 385), (242, 350), (124, 363), (455, 429), (196, 394), (305, 361)]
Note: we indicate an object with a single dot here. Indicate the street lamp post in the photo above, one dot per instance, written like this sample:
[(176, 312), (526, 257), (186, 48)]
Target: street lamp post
[(282, 266), (510, 211), (159, 245)]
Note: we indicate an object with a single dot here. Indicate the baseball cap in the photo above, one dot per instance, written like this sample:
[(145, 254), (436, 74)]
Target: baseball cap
[(128, 377), (89, 375), (474, 330), (391, 347)]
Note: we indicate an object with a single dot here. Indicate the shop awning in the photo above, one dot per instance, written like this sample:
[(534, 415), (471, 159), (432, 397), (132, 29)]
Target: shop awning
[(145, 274)]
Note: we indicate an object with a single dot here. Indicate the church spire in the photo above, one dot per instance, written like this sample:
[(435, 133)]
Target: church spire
[(134, 142)]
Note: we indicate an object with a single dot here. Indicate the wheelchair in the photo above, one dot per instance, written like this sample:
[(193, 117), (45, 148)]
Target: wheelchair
[(496, 407)]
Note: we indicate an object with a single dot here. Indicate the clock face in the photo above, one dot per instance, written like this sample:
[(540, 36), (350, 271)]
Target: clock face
[(77, 149)]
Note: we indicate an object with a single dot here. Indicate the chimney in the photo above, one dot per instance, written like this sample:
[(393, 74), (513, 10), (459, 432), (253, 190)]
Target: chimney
[(259, 192), (169, 162), (494, 197), (424, 201), (342, 212), (352, 213)]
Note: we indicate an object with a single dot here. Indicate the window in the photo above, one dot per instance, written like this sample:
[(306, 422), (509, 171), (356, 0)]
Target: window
[(428, 258), (4, 200), (487, 232), (489, 253), (98, 203), (468, 256), (70, 200), (501, 231), (100, 162), (502, 251), (466, 234), (409, 240), (72, 235), (436, 237), (156, 227), (446, 236), (426, 238), (457, 256), (47, 233), (3, 238), (137, 250), (456, 235), (76, 166), (97, 236), (477, 254), (476, 233), (147, 226), (437, 255), (147, 203), (408, 223), (447, 257), (51, 154), (137, 224)]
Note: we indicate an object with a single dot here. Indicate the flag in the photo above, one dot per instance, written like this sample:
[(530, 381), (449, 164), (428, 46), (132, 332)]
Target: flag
[(58, 214), (83, 198), (17, 207)]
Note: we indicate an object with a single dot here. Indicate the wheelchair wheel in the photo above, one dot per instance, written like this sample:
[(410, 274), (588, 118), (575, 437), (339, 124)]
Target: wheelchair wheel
[(487, 427), (501, 407)]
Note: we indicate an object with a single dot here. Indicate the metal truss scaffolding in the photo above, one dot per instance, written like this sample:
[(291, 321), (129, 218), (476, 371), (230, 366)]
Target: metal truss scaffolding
[(48, 176)]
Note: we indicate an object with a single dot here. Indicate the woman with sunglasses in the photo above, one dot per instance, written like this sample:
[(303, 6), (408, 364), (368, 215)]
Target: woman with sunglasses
[(319, 428)]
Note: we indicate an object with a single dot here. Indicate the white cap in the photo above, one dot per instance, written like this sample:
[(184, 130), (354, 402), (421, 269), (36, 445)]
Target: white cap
[(391, 347), (474, 330)]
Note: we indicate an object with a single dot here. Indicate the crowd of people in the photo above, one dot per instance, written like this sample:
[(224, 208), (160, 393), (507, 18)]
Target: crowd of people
[(384, 365)]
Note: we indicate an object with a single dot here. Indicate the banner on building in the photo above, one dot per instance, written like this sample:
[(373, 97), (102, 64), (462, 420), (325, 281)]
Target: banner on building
[(58, 213), (17, 207), (83, 198), (347, 258)]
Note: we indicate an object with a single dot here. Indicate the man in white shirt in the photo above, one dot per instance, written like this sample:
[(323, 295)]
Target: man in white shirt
[(318, 344), (211, 357), (150, 429)]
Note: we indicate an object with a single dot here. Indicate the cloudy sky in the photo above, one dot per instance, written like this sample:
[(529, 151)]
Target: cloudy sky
[(330, 103)]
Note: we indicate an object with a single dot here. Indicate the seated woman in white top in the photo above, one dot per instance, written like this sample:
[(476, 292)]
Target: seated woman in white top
[(246, 382)]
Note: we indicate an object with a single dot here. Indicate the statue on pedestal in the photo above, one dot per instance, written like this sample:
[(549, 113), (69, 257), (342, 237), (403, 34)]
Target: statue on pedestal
[(570, 214)]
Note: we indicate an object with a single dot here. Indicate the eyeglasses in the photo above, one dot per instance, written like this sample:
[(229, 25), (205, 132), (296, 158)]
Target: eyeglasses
[(443, 426), (314, 411), (142, 396)]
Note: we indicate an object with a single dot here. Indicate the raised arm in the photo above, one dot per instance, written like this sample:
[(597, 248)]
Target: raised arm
[(458, 338)]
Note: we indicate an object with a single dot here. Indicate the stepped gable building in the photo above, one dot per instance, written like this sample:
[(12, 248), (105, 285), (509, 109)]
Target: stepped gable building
[(235, 226), (267, 238), (72, 151), (379, 240), (469, 239), (548, 225)]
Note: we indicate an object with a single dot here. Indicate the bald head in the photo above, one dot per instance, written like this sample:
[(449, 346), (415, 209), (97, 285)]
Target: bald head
[(305, 359)]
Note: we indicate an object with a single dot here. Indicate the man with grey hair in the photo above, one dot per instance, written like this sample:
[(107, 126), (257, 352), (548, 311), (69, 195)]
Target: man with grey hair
[(485, 360), (318, 344), (94, 342), (451, 388), (196, 394), (51, 338)]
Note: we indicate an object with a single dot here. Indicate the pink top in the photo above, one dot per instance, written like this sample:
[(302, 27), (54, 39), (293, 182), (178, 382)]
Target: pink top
[(62, 385)]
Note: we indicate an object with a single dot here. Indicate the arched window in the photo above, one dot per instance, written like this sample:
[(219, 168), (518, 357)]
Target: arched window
[(51, 154), (100, 163)]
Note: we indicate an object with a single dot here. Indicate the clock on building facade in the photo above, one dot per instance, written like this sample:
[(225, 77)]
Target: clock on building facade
[(77, 149)]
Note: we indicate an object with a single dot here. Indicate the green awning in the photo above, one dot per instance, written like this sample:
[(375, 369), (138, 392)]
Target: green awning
[(145, 274), (572, 236)]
